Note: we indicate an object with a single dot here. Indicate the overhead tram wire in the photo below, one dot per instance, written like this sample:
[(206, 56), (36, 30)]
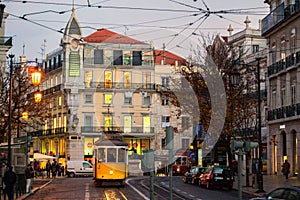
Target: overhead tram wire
[(107, 7), (190, 24), (193, 33), (180, 3)]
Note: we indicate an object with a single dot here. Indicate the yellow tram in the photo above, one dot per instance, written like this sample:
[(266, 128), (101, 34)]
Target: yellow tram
[(110, 161)]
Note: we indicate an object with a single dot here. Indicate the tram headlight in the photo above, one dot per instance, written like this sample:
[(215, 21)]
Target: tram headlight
[(178, 169), (111, 172)]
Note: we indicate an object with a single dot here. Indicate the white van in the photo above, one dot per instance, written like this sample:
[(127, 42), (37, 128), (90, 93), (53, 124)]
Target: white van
[(79, 168)]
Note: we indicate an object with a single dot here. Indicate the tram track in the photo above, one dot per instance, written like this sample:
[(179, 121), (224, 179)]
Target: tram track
[(114, 194), (161, 192)]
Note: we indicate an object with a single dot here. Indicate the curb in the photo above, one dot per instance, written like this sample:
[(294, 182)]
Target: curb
[(24, 196)]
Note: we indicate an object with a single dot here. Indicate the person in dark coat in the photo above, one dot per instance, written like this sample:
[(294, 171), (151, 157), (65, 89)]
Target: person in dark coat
[(286, 169), (10, 179)]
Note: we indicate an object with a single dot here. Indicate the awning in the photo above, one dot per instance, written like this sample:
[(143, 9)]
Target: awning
[(39, 156)]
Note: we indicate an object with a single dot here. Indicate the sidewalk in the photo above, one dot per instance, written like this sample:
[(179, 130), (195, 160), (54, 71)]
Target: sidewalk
[(38, 184), (269, 182)]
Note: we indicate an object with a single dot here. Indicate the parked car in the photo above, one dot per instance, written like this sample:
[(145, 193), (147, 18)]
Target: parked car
[(284, 192), (220, 176), (193, 175)]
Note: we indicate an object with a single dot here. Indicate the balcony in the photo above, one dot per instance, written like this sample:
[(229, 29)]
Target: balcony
[(283, 64), (103, 129), (52, 89), (284, 112), (120, 85), (279, 14), (48, 132)]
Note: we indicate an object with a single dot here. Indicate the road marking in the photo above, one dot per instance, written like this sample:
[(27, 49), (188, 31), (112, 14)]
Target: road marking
[(87, 192)]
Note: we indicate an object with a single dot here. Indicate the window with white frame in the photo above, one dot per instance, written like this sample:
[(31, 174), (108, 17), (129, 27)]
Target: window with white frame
[(255, 48), (184, 122), (146, 100), (88, 99), (128, 98), (185, 143), (118, 57), (164, 100), (165, 121), (88, 122), (98, 56), (165, 82)]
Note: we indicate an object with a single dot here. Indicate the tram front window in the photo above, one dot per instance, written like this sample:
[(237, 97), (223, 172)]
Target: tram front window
[(121, 155), (101, 155), (111, 155)]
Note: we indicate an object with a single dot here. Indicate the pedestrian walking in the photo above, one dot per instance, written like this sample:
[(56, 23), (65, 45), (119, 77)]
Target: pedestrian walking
[(286, 169), (36, 167), (10, 179), (48, 168), (53, 169), (29, 174)]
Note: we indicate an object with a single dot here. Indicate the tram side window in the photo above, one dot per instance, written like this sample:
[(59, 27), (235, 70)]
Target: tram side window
[(111, 154), (101, 155), (121, 155)]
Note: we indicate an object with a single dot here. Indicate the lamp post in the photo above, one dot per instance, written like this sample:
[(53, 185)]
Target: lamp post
[(9, 153), (259, 175)]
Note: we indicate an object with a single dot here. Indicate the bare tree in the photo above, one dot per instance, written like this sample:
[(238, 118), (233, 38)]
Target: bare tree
[(22, 101)]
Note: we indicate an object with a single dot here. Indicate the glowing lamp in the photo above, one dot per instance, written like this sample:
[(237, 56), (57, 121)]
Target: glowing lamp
[(36, 77), (25, 115), (38, 96)]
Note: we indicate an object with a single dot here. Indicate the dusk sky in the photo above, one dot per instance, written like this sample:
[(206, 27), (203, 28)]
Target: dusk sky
[(176, 23)]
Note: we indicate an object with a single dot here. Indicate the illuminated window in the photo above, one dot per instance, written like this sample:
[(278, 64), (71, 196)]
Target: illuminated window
[(108, 123), (127, 123), (88, 79), (146, 124), (107, 99), (59, 101), (127, 80), (108, 79)]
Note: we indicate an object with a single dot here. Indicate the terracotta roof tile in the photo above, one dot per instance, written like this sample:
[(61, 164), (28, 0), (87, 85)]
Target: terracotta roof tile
[(170, 58), (107, 36)]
